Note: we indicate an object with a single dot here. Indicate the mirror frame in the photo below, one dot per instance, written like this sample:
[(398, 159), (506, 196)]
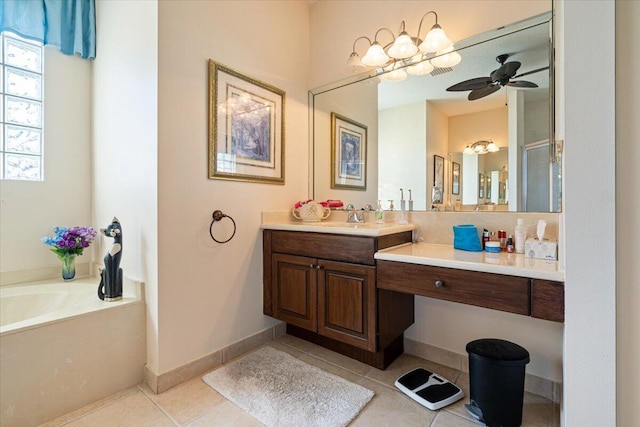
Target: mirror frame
[(555, 147)]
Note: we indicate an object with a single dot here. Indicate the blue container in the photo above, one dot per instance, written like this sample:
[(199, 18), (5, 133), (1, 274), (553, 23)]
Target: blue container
[(466, 237)]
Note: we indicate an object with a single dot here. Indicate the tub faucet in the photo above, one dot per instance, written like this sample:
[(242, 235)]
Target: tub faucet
[(353, 215)]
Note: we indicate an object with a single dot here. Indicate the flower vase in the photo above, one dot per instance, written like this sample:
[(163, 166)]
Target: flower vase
[(68, 266)]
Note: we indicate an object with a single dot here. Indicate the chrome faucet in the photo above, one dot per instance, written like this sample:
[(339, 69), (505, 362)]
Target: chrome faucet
[(353, 215)]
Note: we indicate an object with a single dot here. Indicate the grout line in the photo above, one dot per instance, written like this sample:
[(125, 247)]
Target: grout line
[(166, 414)]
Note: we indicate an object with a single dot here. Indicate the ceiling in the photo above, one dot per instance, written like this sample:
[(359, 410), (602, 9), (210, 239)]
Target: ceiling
[(530, 46)]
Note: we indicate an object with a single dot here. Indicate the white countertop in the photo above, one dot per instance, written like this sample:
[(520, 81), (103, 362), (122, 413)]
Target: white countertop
[(446, 256), (334, 227)]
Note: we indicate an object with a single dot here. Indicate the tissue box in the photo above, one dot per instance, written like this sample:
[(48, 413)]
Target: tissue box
[(541, 249)]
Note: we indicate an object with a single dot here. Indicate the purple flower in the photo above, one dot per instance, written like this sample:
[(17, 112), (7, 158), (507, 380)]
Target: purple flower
[(70, 241)]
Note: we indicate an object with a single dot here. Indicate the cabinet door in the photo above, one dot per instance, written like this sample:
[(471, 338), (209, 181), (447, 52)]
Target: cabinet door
[(347, 303), (295, 291)]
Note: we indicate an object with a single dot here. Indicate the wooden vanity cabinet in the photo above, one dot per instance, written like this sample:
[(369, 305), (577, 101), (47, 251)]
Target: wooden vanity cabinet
[(537, 298), (324, 287)]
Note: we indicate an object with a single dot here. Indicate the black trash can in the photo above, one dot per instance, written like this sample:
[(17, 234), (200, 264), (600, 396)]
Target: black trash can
[(496, 380)]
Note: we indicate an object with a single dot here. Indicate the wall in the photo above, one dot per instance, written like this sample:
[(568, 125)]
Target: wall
[(468, 128), (124, 136), (402, 130), (589, 204), (210, 295), (437, 145), (30, 210), (627, 208), (345, 102)]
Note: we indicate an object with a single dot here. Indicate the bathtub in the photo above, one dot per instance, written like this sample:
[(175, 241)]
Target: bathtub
[(62, 348)]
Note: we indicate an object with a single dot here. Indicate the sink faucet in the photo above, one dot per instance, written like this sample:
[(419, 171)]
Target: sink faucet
[(353, 215)]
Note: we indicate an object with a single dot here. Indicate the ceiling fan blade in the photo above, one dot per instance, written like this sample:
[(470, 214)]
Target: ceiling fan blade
[(531, 72), (471, 84), (522, 83), (508, 69), (481, 93)]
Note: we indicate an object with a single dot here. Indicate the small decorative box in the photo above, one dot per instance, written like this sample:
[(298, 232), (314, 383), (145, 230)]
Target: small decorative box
[(545, 249)]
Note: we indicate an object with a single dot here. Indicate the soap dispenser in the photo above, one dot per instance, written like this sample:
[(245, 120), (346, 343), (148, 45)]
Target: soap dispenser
[(410, 201), (379, 214), (403, 209)]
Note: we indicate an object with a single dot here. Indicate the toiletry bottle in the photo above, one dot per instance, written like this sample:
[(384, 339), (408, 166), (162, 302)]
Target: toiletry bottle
[(379, 214), (390, 205), (502, 237), (410, 201), (485, 237), (520, 236), (510, 247), (402, 201)]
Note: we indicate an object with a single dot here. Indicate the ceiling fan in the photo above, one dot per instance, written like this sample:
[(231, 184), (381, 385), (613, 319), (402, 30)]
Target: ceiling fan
[(484, 86)]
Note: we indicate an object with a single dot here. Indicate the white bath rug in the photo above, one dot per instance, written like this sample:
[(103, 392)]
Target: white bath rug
[(280, 390)]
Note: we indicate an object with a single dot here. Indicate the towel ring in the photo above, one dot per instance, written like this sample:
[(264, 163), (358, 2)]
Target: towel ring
[(217, 216)]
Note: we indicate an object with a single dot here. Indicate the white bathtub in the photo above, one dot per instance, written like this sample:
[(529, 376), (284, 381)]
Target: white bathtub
[(62, 348)]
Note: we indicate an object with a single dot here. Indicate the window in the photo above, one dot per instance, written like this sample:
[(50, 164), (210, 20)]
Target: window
[(21, 108)]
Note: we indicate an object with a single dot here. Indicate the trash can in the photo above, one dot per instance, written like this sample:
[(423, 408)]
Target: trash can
[(496, 380)]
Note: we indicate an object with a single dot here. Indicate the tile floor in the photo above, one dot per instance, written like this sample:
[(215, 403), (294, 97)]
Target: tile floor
[(193, 403)]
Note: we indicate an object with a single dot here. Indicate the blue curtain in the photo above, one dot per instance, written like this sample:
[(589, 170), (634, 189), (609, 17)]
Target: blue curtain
[(68, 24)]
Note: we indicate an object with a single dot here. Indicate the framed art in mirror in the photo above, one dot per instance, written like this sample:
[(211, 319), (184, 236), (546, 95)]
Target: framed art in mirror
[(348, 153), (455, 178), (481, 186), (246, 127)]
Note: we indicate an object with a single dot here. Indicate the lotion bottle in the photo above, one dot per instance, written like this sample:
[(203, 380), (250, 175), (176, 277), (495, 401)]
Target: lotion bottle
[(520, 236)]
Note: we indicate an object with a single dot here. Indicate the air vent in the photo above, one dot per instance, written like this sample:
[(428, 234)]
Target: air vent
[(437, 70)]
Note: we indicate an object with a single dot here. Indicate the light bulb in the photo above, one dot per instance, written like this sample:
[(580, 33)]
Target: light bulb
[(468, 150), (354, 64), (492, 147), (403, 47), (395, 75), (375, 56), (446, 58), (420, 68), (436, 40)]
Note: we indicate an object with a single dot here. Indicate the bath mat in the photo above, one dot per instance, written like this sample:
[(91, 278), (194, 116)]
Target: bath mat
[(280, 390)]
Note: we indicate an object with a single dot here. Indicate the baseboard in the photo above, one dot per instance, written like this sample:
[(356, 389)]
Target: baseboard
[(163, 382), (533, 384)]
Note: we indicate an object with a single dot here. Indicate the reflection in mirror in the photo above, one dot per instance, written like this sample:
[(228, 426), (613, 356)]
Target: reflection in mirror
[(412, 121)]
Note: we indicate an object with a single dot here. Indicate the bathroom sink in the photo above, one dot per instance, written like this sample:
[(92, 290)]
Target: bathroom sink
[(340, 227)]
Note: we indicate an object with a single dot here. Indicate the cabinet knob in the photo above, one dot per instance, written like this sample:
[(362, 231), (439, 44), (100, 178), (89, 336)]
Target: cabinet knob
[(312, 266), (439, 283), (318, 267)]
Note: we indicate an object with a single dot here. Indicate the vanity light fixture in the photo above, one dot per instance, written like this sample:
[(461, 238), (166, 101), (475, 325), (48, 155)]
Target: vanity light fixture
[(407, 52), (481, 147)]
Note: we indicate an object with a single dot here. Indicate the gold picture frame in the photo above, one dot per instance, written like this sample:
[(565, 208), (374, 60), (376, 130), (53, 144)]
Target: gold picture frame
[(246, 127), (348, 153)]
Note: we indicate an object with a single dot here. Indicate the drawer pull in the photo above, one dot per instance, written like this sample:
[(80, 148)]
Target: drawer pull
[(439, 283)]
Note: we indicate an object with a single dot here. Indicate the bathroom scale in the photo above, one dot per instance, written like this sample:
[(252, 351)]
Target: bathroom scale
[(429, 389)]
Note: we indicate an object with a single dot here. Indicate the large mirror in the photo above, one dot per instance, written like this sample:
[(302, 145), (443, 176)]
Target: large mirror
[(412, 133)]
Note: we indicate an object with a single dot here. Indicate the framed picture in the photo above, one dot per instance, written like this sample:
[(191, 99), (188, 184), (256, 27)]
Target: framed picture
[(455, 178), (348, 153), (246, 127), (488, 187), (481, 186), (438, 171)]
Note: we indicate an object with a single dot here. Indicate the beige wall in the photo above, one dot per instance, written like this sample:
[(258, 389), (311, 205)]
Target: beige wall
[(627, 211), (346, 102), (210, 294), (468, 128), (402, 130), (30, 210), (124, 137)]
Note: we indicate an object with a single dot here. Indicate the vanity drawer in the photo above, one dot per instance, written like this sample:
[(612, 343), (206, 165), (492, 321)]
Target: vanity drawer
[(547, 300), (335, 247), (495, 291)]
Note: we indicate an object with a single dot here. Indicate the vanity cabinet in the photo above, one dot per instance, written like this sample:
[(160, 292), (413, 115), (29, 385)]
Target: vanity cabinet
[(542, 299), (324, 287)]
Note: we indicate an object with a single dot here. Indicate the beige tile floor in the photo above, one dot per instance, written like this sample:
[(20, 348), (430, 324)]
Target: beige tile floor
[(193, 403)]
